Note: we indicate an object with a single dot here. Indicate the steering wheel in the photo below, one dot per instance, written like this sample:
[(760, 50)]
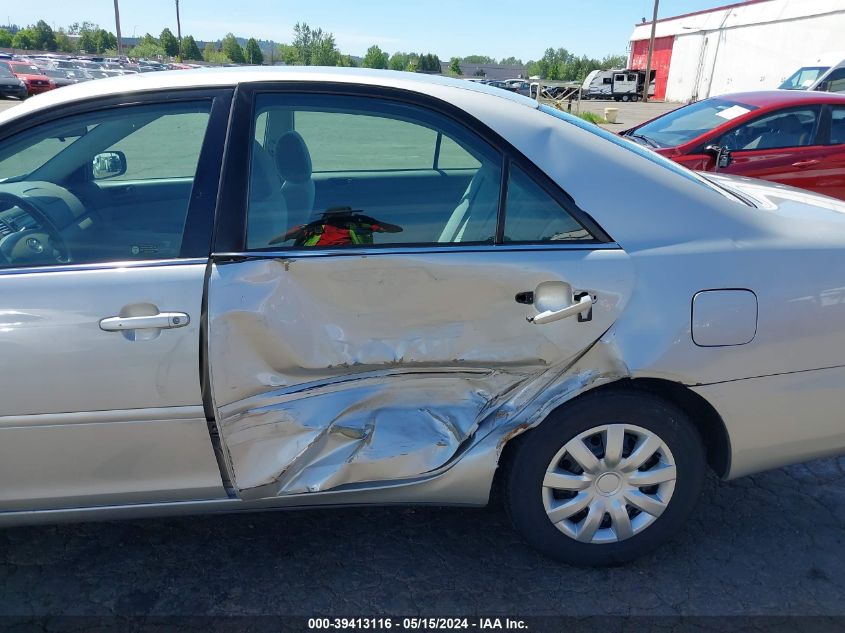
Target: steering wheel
[(42, 244)]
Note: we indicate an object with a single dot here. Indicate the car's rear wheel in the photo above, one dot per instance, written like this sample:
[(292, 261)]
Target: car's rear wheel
[(607, 478)]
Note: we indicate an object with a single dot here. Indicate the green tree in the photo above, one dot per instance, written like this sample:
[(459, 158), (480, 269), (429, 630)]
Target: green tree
[(288, 54), (375, 58), (64, 43), (213, 56), (190, 50), (5, 39), (147, 48), (314, 47), (169, 42), (23, 39), (479, 59), (613, 61), (346, 61), (231, 49), (104, 40), (428, 63), (398, 61), (252, 52), (511, 61), (325, 51), (43, 37), (455, 66)]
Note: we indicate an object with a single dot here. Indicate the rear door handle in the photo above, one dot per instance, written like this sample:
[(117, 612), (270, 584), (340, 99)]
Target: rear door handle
[(583, 304), (803, 164), (160, 321)]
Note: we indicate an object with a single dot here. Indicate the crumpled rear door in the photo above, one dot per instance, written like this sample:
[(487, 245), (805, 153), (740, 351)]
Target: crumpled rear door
[(329, 370)]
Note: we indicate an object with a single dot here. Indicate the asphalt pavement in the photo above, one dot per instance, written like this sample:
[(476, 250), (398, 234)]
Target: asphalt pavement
[(770, 544)]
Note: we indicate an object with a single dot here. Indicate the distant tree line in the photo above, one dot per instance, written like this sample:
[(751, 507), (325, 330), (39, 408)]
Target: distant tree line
[(560, 64), (309, 47)]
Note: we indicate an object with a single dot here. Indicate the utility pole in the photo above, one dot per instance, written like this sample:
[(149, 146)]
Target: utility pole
[(650, 50), (117, 28), (178, 30)]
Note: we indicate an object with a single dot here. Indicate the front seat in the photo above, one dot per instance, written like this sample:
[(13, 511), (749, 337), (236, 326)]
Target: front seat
[(268, 216), (787, 131), (293, 161)]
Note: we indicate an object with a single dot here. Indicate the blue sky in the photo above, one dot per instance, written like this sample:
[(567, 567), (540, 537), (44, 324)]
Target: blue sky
[(446, 27)]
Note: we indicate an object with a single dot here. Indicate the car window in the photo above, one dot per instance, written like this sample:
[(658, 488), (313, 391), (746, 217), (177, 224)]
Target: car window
[(795, 127), (689, 122), (532, 215), (26, 69), (347, 171), (167, 147), (5, 72), (803, 78), (837, 125), (835, 81), (64, 197)]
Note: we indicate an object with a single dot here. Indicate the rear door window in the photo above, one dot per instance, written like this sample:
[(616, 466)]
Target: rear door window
[(837, 125), (329, 171)]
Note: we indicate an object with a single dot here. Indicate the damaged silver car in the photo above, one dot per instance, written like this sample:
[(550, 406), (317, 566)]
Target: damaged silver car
[(273, 288)]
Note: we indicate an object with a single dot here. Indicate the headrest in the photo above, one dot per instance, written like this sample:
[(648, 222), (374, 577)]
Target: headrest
[(789, 124), (293, 160), (264, 181)]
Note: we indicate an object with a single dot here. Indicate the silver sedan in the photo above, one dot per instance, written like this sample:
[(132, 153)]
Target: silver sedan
[(259, 288)]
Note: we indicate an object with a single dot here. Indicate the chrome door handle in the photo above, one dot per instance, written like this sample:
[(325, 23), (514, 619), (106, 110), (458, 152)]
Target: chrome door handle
[(160, 321), (803, 164), (584, 304)]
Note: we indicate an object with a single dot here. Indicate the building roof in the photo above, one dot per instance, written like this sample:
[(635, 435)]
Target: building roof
[(703, 11), (734, 15)]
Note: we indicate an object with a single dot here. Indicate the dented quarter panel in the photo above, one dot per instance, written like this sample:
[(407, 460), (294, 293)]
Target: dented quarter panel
[(328, 371)]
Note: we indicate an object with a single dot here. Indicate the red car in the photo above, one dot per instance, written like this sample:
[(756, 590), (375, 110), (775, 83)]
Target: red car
[(795, 138), (35, 80)]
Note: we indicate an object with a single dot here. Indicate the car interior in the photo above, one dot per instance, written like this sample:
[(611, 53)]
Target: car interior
[(115, 185), (434, 185), (784, 129), (110, 186)]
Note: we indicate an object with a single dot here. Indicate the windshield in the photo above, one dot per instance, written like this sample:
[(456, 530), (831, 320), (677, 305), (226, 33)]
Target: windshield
[(688, 123), (5, 72), (640, 150), (804, 77), (50, 72), (26, 69)]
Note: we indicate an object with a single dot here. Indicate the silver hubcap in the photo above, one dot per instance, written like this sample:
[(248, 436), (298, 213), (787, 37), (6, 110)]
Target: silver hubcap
[(609, 483)]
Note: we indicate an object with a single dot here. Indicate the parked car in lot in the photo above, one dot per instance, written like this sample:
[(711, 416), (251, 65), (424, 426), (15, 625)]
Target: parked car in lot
[(824, 72), (36, 82), (351, 286), (794, 138), (60, 77), (10, 85)]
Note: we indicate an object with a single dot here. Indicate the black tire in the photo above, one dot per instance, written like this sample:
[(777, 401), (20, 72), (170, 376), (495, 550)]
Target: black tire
[(526, 466)]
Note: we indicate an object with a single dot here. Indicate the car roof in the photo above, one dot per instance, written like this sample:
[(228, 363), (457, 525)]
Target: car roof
[(231, 76), (772, 98)]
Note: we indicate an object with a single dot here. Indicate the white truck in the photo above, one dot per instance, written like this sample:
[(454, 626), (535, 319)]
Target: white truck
[(825, 73)]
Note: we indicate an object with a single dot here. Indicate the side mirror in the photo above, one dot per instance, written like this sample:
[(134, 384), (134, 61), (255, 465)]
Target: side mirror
[(722, 154), (108, 165)]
